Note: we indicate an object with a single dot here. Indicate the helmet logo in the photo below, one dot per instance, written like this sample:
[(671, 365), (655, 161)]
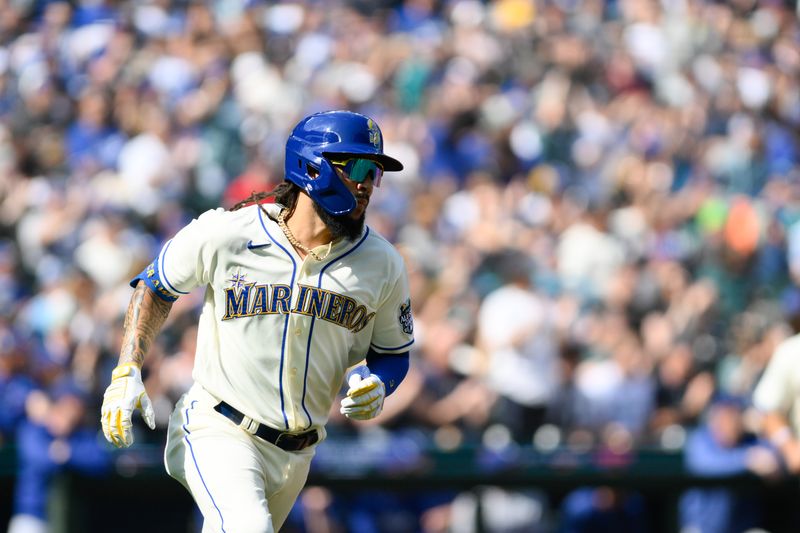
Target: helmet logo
[(374, 134)]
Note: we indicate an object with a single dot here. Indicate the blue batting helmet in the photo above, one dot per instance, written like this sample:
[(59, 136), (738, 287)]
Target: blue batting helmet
[(321, 137)]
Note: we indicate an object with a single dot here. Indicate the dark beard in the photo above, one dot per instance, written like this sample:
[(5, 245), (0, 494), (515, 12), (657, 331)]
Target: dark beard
[(341, 225)]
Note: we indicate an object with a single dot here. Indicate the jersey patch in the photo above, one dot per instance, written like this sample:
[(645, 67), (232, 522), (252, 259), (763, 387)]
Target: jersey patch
[(405, 318), (237, 281)]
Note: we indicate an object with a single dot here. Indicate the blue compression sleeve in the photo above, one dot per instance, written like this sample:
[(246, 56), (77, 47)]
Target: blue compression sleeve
[(391, 368)]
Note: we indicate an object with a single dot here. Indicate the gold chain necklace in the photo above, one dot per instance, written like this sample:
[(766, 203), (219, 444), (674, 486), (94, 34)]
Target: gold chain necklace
[(297, 244)]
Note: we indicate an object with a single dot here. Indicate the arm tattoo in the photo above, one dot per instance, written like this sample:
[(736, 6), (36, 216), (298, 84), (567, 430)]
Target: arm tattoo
[(143, 320)]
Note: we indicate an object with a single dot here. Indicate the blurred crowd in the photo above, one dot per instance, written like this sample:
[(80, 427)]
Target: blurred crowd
[(599, 211)]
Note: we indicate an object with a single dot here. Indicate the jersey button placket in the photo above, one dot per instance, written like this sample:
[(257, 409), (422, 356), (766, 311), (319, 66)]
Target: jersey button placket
[(296, 351)]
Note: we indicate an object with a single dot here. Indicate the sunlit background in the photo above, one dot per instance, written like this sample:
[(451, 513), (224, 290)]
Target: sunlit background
[(599, 214)]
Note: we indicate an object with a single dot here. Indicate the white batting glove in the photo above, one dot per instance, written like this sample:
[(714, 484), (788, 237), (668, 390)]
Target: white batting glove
[(125, 394), (365, 396)]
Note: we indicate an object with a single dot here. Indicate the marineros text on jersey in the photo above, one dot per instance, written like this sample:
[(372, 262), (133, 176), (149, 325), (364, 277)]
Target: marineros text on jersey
[(251, 299)]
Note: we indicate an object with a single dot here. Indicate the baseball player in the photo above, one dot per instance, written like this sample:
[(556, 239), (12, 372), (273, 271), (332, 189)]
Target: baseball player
[(296, 293), (777, 398)]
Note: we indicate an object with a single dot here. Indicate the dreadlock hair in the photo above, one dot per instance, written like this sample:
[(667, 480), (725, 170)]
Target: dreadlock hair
[(285, 194)]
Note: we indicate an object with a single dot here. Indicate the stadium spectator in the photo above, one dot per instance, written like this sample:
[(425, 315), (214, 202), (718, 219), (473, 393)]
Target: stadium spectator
[(52, 438), (722, 446), (515, 333), (599, 509)]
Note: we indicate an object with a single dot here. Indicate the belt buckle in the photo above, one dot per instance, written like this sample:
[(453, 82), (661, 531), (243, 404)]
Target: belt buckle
[(280, 439), (294, 442)]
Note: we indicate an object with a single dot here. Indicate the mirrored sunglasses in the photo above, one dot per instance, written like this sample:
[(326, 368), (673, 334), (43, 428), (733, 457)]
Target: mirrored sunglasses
[(359, 170)]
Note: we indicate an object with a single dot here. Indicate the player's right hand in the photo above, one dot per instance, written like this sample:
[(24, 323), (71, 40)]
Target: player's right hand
[(125, 394), (365, 396)]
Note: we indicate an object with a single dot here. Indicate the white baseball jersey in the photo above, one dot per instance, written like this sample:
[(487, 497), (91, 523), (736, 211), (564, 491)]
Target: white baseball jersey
[(278, 332), (779, 386)]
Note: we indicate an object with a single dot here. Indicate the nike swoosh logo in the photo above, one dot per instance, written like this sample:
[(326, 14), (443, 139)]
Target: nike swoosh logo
[(252, 246)]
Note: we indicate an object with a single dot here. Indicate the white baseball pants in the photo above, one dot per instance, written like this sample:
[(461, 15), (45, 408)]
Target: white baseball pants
[(241, 483)]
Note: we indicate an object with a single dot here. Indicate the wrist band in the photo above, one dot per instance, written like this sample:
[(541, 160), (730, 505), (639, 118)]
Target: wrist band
[(124, 370)]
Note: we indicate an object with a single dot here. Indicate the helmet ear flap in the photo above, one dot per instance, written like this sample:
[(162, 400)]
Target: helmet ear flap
[(317, 177), (329, 191)]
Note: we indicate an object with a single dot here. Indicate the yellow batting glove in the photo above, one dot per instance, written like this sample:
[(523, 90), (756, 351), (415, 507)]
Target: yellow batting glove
[(365, 396), (125, 394)]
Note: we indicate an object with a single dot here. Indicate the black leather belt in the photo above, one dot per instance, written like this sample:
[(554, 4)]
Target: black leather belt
[(291, 442)]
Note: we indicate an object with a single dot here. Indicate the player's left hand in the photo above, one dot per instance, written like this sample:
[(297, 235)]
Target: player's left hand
[(124, 395), (365, 396)]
